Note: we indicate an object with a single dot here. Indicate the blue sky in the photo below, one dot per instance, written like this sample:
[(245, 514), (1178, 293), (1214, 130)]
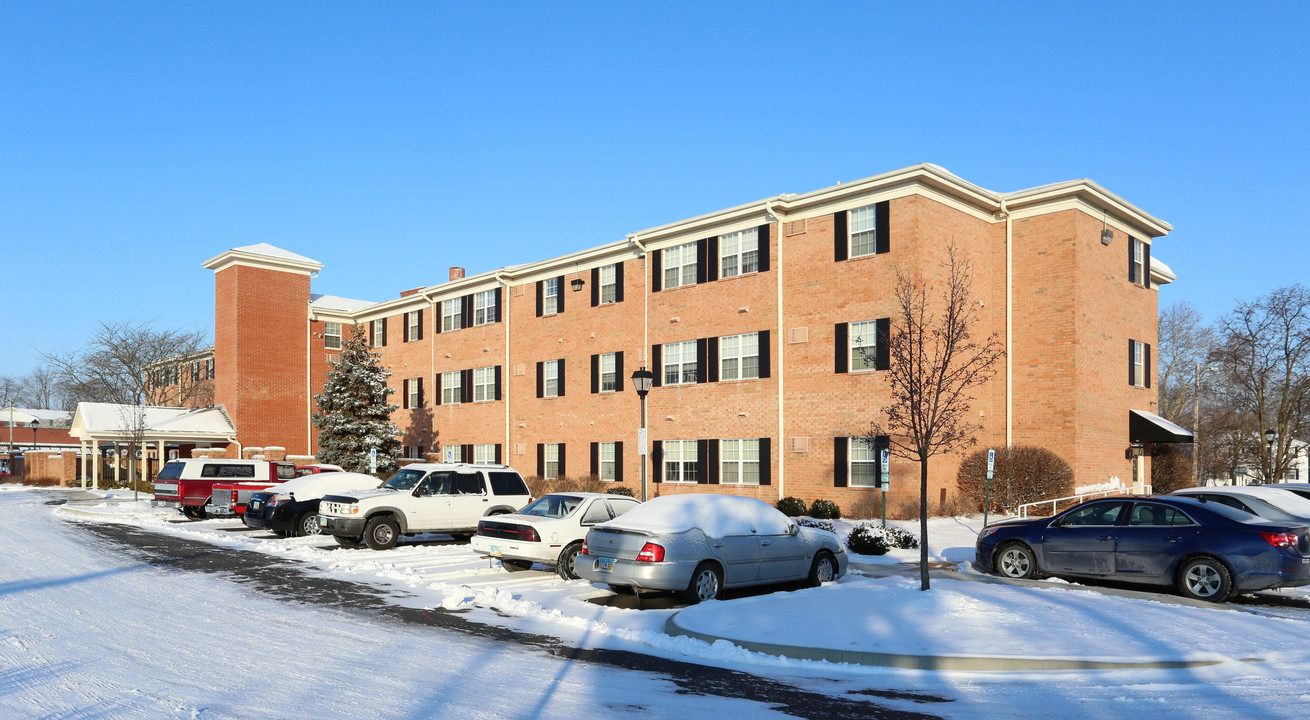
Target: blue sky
[(390, 141)]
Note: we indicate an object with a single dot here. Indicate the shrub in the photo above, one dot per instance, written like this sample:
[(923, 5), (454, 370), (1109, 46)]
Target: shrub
[(906, 509), (820, 524), (869, 505), (1171, 469), (825, 509), (537, 485), (1024, 474), (793, 507), (586, 483), (620, 490), (872, 539)]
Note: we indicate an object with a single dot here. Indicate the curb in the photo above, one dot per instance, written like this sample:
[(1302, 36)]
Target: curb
[(948, 663)]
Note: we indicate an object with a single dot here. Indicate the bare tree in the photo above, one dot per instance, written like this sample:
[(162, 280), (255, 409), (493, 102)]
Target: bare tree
[(125, 362), (935, 363), (1182, 361), (41, 389), (10, 390), (1263, 354)]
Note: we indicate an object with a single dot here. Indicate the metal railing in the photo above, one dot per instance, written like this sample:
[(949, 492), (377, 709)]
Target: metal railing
[(1133, 490)]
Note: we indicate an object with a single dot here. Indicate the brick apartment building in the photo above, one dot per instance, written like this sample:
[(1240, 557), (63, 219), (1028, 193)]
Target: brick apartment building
[(761, 323)]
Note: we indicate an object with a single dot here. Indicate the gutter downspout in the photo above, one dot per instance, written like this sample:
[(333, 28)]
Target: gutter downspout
[(309, 382), (432, 355), (781, 373), (506, 373), (642, 450), (1009, 326)]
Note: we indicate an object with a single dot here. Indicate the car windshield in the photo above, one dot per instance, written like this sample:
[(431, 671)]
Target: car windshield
[(553, 506), (404, 480)]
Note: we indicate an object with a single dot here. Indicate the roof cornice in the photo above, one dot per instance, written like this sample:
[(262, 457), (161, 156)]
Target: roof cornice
[(237, 256)]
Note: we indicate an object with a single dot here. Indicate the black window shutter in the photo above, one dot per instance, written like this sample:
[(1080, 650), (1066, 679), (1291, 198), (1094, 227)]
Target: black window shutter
[(618, 282), (499, 459), (541, 379), (595, 374), (436, 321), (404, 400), (1146, 266), (882, 232), (619, 380), (466, 386), (1146, 364), (656, 271), (559, 298), (842, 347), (595, 459), (560, 374), (766, 461), (762, 243), (702, 261), (1132, 267), (420, 324), (541, 295), (541, 460), (468, 311), (839, 461), (765, 354), (618, 461), (712, 464), (384, 332), (372, 334), (563, 469), (1132, 366), (437, 387), (497, 299), (702, 360), (703, 463), (656, 366), (466, 453), (839, 239), (404, 327), (882, 353), (497, 381), (712, 359), (657, 461), (420, 391), (595, 287), (712, 258)]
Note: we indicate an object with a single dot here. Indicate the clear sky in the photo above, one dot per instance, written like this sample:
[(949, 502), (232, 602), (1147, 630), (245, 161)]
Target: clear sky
[(392, 140)]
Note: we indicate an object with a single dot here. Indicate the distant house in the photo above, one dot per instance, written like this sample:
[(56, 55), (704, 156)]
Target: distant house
[(1297, 471)]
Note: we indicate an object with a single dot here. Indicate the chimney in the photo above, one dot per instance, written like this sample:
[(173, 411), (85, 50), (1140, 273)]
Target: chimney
[(456, 273)]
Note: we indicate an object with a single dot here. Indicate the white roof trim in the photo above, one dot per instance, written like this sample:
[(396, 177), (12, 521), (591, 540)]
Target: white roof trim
[(263, 255)]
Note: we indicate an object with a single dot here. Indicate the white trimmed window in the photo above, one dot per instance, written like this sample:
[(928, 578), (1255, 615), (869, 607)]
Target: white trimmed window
[(864, 463), (680, 265), (680, 461), (740, 461), (484, 384), (609, 284), (1139, 364), (864, 341), (484, 307), (412, 325), (608, 466), (1139, 261), (864, 230), (380, 332), (452, 315), (739, 253), (679, 362), (609, 376), (453, 453), (484, 454), (552, 460), (550, 296), (412, 394), (332, 335), (550, 379), (739, 357), (451, 388)]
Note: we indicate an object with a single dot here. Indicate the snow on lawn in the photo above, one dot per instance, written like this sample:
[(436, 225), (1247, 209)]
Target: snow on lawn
[(881, 615)]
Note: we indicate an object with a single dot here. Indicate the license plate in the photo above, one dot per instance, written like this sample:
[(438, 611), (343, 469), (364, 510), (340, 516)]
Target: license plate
[(322, 521), (494, 550), (605, 565), (254, 504)]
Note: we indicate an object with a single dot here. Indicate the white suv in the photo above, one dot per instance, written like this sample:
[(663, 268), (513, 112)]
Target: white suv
[(425, 497)]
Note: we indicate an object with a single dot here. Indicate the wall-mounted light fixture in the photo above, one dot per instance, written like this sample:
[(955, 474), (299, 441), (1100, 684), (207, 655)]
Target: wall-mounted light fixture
[(576, 284)]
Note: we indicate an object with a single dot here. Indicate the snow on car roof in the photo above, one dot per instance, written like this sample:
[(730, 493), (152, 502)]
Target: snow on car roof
[(715, 515), (308, 487), (1283, 500)]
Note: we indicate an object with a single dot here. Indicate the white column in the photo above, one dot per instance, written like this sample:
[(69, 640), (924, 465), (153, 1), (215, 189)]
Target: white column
[(95, 465), (118, 460), (160, 445), (81, 444)]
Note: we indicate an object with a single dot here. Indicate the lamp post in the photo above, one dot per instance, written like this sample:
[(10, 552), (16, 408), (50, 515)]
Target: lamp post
[(34, 425), (1270, 434), (641, 382)]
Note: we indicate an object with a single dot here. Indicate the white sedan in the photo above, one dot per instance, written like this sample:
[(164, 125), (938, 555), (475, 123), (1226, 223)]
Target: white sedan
[(548, 531)]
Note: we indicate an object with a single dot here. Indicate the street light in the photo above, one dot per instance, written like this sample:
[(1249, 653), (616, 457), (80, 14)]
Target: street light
[(641, 382), (1270, 434), (34, 423)]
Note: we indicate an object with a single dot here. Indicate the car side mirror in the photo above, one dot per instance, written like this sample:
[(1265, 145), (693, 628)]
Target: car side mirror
[(793, 529)]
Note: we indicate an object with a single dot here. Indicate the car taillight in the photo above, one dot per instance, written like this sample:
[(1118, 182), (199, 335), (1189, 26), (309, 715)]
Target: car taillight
[(583, 551), (1287, 540), (650, 552), (234, 497), (532, 536), (277, 500)]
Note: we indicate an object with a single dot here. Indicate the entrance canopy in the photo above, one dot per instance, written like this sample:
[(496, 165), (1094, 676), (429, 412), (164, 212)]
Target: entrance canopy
[(99, 422), (1146, 427)]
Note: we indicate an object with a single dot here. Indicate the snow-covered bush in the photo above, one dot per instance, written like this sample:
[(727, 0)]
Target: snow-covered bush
[(874, 539), (825, 509), (620, 490), (792, 507), (820, 524)]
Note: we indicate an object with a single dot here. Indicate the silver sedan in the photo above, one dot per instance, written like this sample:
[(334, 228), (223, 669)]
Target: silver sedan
[(701, 544)]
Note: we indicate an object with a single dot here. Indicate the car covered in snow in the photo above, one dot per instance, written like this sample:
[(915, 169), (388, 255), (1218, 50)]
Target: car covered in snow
[(315, 468), (549, 531), (291, 508), (1261, 500), (702, 544)]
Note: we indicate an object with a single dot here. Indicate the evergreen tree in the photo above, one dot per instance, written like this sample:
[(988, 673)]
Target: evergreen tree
[(353, 415)]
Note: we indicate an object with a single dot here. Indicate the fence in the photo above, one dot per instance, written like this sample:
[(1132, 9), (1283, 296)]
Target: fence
[(1078, 499)]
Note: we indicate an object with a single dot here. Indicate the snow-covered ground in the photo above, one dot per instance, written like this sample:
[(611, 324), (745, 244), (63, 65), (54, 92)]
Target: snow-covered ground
[(1261, 656)]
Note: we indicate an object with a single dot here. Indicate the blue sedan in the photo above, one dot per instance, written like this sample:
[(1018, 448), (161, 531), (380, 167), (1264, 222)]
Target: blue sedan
[(1206, 550)]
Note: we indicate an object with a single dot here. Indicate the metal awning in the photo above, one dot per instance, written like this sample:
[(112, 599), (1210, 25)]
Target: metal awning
[(1147, 427)]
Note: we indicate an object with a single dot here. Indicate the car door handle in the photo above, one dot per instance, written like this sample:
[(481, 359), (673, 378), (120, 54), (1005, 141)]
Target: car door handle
[(718, 545), (1173, 539), (765, 543), (1105, 537)]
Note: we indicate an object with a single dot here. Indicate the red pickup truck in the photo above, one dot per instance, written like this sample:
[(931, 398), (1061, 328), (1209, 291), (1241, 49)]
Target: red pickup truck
[(189, 485)]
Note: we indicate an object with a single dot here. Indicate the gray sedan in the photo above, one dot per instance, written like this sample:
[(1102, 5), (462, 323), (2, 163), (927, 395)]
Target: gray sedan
[(701, 544)]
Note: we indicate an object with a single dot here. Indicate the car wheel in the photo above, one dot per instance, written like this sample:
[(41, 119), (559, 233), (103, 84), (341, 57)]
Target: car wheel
[(515, 565), (568, 557), (381, 533), (306, 524), (824, 569), (350, 542), (1205, 578), (1015, 560), (706, 584)]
